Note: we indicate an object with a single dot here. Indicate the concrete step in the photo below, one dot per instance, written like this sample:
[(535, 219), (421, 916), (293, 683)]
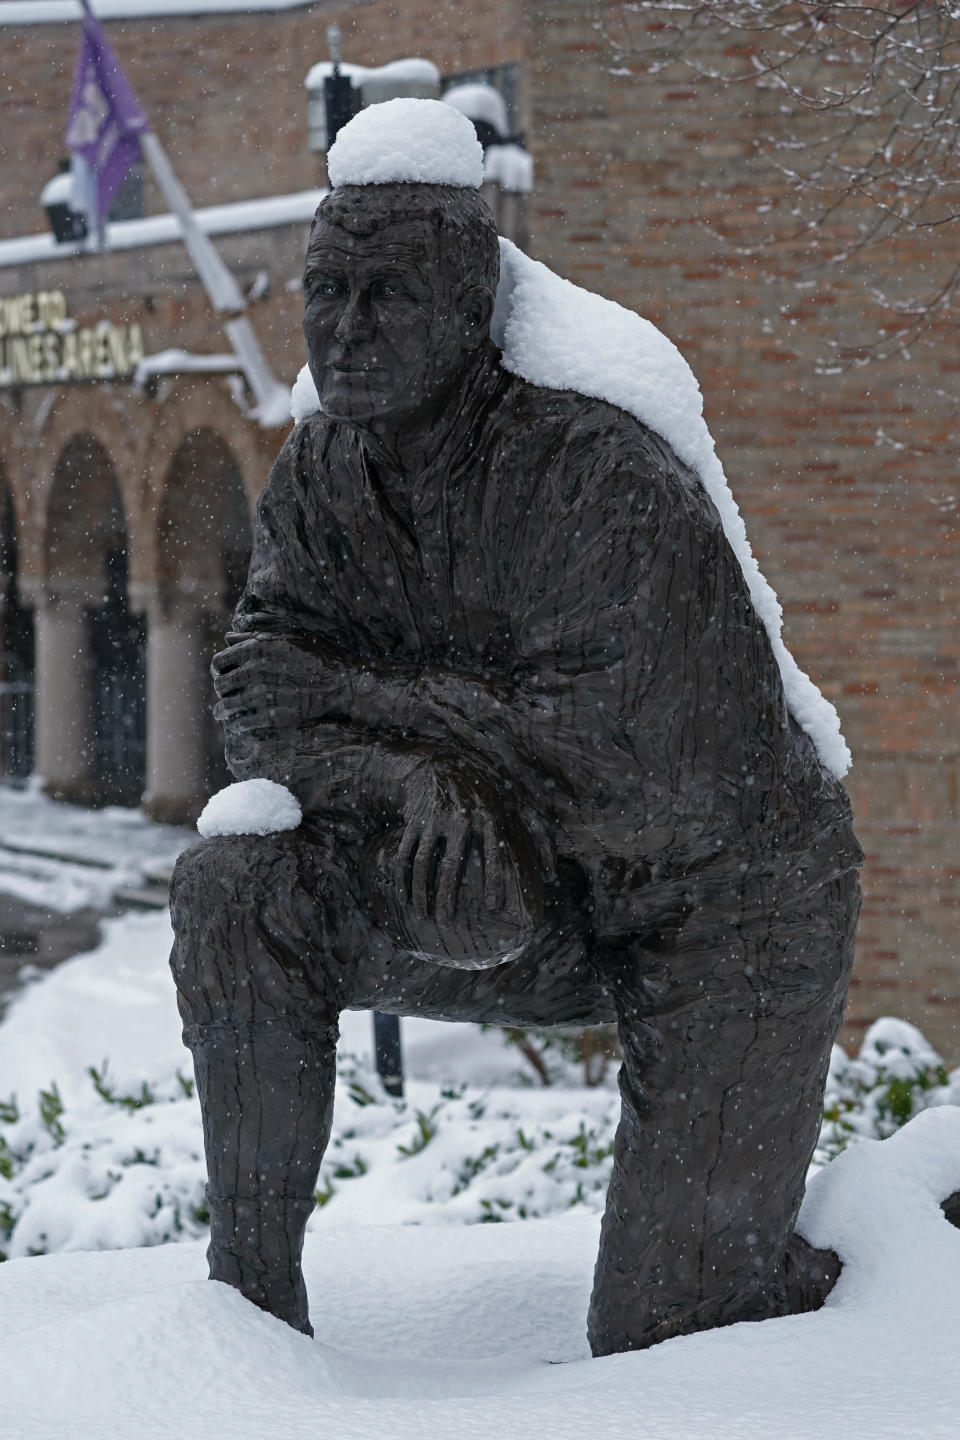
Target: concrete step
[(158, 872), (142, 897), (56, 850)]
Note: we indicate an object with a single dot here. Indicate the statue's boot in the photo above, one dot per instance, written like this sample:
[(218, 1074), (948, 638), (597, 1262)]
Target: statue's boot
[(266, 1093)]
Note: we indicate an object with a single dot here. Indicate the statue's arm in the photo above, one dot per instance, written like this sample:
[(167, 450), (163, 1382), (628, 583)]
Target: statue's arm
[(580, 730), (296, 705), (599, 725), (267, 671)]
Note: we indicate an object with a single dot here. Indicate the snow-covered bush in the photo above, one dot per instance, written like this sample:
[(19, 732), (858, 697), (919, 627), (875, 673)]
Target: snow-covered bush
[(896, 1075), (121, 1170), (568, 1054), (125, 1168), (122, 1167)]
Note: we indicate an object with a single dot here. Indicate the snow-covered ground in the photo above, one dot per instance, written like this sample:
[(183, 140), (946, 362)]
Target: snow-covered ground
[(478, 1332), (66, 857), (427, 1324)]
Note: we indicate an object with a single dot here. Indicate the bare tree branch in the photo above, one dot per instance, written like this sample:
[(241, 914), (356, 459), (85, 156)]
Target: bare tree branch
[(866, 138)]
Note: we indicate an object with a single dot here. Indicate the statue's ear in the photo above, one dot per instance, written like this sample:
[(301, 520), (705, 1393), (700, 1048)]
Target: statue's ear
[(477, 311)]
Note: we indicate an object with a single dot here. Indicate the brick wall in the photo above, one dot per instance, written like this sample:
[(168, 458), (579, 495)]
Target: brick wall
[(226, 92), (848, 482)]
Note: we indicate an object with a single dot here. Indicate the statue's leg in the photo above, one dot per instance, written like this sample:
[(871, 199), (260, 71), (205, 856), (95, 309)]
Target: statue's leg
[(260, 1008), (273, 938), (727, 1016)]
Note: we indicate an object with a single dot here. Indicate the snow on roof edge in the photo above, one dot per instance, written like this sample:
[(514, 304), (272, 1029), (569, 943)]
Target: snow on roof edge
[(410, 67), (240, 215), (58, 12)]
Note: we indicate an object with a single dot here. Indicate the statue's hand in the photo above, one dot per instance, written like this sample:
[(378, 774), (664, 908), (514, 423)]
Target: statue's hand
[(260, 683), (443, 817)]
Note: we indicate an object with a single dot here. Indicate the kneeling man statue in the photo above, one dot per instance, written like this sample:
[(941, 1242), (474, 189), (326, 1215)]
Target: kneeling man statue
[(496, 642)]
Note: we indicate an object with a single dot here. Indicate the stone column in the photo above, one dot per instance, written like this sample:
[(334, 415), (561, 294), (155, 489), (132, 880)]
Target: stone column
[(4, 676), (179, 697), (63, 732)]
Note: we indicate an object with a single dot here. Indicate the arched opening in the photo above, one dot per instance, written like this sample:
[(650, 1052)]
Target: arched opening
[(235, 541), (88, 625), (16, 654), (203, 550)]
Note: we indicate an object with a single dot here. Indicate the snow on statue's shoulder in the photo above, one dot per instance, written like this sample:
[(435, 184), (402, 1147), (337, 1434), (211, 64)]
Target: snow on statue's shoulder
[(555, 334), (417, 141), (250, 807)]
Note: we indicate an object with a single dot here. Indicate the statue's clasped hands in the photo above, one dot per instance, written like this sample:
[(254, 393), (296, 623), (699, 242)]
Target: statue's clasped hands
[(444, 817), (260, 684), (462, 857)]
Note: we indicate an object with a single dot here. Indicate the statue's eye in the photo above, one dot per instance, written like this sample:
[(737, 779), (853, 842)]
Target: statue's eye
[(323, 288), (390, 289)]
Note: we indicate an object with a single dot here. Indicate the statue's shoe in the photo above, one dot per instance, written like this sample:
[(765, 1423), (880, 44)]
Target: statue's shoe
[(255, 1246)]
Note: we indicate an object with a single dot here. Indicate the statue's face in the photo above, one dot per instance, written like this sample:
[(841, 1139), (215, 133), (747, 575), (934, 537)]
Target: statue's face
[(389, 322)]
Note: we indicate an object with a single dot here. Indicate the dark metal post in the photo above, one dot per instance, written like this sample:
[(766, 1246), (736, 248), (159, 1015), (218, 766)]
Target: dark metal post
[(389, 1056), (338, 92)]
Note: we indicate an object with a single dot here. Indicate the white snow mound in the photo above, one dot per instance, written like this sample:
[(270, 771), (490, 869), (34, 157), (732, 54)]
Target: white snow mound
[(510, 167), (250, 807), (418, 141), (480, 102), (553, 333)]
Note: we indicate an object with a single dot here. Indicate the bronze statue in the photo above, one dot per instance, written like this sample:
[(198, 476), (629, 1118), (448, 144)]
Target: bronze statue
[(495, 641)]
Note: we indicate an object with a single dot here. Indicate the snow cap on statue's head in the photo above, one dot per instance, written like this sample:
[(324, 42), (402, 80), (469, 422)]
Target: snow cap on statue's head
[(422, 142)]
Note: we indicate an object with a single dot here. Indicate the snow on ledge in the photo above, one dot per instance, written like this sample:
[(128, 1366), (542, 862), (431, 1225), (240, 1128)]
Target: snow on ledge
[(413, 70), (250, 807), (241, 215), (555, 334), (183, 362), (55, 12), (480, 102), (510, 167)]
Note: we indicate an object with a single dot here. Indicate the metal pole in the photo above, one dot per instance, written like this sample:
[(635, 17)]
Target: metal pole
[(340, 98), (389, 1056), (224, 293)]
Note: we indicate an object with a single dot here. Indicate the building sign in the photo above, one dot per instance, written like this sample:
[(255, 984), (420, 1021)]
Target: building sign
[(41, 345)]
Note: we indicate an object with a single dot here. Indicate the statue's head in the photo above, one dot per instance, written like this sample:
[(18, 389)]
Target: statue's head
[(399, 284)]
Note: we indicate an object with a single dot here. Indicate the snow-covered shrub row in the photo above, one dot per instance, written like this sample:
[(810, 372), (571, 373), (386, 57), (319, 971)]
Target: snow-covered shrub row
[(895, 1076), (122, 1168), (126, 1169)]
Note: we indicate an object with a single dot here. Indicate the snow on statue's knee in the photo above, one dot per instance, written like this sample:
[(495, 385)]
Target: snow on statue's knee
[(250, 807)]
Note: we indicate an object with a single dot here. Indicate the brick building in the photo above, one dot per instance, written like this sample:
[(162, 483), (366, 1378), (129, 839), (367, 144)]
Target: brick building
[(125, 512)]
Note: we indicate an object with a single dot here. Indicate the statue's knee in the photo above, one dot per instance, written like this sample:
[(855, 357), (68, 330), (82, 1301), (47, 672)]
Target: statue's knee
[(226, 873), (249, 932), (212, 903), (194, 874)]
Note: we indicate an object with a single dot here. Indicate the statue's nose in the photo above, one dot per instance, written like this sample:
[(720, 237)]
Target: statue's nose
[(356, 321)]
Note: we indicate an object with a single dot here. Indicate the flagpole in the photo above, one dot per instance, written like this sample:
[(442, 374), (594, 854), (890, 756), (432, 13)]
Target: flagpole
[(271, 395)]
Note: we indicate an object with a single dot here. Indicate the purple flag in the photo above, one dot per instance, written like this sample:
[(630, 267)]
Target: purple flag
[(105, 120)]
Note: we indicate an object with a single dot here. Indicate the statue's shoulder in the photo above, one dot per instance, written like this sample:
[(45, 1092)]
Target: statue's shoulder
[(301, 456), (579, 427)]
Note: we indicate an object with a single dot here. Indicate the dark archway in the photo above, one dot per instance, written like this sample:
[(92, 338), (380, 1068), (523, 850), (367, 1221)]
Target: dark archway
[(16, 653), (87, 565), (236, 535), (203, 550)]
